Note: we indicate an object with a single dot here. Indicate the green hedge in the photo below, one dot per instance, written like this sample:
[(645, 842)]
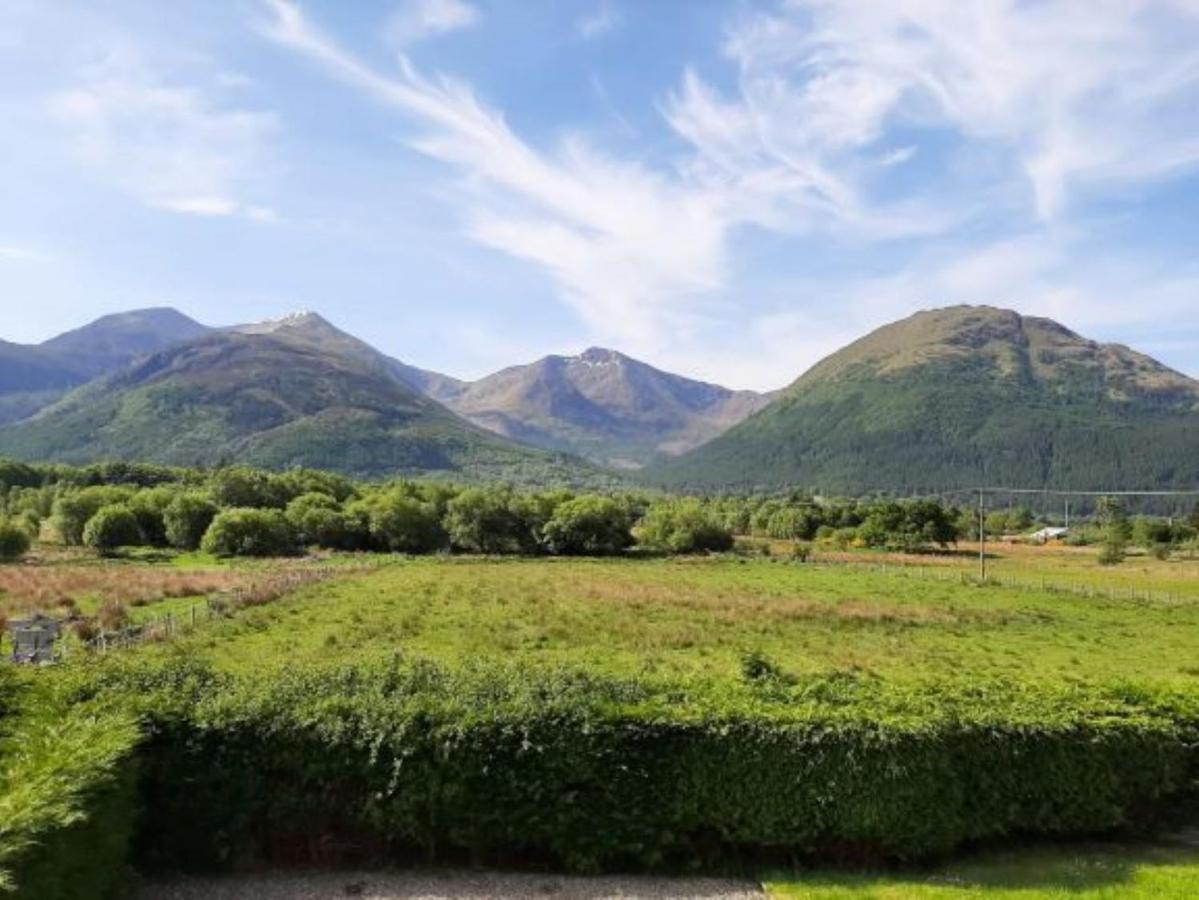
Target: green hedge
[(592, 773), (67, 798)]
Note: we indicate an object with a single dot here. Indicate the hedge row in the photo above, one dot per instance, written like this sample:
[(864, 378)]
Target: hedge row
[(68, 798), (598, 774)]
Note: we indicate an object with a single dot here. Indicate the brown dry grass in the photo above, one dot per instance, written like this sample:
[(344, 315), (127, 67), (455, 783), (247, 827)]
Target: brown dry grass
[(63, 587), (71, 588), (733, 606)]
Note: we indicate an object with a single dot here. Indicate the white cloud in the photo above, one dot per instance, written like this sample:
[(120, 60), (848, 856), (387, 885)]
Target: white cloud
[(420, 20), (629, 248), (898, 156), (1080, 92), (174, 146), (831, 99), (601, 21)]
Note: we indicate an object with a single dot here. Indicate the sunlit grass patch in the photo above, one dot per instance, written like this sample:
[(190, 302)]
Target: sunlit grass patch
[(1079, 873)]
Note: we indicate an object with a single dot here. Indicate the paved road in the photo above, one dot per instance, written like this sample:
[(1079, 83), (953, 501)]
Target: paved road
[(444, 885)]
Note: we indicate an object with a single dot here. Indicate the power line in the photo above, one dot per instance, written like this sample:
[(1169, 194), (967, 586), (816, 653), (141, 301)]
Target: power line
[(1053, 492)]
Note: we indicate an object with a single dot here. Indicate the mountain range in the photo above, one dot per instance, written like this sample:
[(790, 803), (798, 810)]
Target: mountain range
[(947, 398), (293, 392)]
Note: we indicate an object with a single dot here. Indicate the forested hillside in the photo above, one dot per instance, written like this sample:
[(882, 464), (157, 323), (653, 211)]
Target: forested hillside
[(961, 397)]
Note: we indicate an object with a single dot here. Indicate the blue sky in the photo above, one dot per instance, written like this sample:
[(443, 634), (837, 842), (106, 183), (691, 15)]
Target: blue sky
[(727, 190)]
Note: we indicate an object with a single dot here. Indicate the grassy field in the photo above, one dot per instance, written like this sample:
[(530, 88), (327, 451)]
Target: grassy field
[(881, 619), (1079, 873), (1052, 565), (701, 616)]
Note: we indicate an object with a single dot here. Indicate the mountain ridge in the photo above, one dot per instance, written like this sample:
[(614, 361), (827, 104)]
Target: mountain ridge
[(32, 376), (956, 397), (604, 405), (302, 393)]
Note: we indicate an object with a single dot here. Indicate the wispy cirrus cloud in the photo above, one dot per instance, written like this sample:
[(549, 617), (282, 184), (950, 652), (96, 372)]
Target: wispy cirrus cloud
[(419, 20), (640, 253), (1081, 93), (603, 20), (176, 144), (829, 101), (596, 224)]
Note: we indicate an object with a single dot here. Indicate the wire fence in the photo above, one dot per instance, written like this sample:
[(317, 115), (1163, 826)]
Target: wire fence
[(214, 606)]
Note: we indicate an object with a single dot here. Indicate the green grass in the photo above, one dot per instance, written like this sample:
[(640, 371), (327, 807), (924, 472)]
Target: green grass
[(699, 616), (1081, 873)]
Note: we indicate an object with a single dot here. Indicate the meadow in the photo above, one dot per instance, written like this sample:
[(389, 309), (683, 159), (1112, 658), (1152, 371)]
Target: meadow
[(733, 711), (704, 616)]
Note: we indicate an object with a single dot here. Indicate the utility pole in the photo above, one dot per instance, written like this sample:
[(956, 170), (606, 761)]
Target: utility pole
[(982, 537), (1067, 513)]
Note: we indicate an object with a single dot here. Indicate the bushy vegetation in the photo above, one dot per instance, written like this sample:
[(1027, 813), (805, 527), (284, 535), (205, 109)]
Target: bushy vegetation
[(589, 526), (684, 526), (112, 527), (177, 507), (186, 518), (598, 714), (68, 800), (600, 773), (14, 540), (250, 532)]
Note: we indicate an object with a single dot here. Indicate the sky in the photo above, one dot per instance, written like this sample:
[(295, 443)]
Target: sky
[(728, 190)]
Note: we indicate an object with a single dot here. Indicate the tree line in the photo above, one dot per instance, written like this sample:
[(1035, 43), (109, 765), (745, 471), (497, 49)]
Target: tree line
[(240, 511)]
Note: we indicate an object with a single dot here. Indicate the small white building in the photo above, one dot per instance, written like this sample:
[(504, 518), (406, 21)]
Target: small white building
[(1045, 535)]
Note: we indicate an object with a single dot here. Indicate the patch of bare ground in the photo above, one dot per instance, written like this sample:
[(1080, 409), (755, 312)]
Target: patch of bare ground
[(445, 885)]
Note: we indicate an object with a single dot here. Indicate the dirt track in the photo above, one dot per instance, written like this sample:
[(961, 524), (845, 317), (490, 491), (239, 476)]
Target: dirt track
[(447, 885)]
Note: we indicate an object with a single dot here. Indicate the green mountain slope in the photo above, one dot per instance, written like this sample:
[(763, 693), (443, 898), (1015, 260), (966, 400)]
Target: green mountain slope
[(960, 397), (34, 376), (297, 392), (602, 405)]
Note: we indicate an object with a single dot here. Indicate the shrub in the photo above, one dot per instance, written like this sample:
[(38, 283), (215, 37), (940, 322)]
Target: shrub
[(110, 528), (237, 487), (683, 526), (319, 520), (68, 802), (31, 522), (112, 615), (250, 532), (793, 523), (14, 541), (757, 666), (298, 482), (588, 526), (1116, 531), (484, 520), (186, 518), (74, 510), (149, 508), (402, 523), (1148, 533), (909, 527)]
